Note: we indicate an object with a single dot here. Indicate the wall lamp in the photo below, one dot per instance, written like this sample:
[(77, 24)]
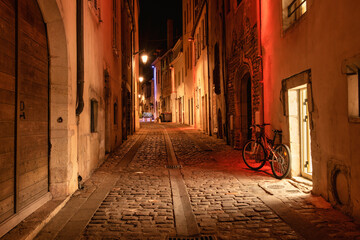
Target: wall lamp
[(144, 57)]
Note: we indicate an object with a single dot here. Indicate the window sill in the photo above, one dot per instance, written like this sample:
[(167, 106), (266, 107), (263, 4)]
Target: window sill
[(354, 119), (294, 24)]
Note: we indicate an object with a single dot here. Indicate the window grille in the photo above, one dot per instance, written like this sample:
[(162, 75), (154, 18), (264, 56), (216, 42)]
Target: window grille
[(294, 7)]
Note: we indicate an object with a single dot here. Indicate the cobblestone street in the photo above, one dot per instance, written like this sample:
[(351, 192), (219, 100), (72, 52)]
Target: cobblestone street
[(225, 199)]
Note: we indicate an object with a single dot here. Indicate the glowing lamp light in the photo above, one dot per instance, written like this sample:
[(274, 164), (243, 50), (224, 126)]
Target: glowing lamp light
[(139, 95), (141, 79), (144, 58)]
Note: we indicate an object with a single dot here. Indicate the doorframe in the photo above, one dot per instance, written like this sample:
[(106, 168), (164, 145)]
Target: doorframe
[(297, 81), (296, 133)]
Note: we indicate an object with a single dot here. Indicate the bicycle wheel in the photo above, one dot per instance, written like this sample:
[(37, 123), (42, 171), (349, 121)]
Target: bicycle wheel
[(280, 164), (254, 155)]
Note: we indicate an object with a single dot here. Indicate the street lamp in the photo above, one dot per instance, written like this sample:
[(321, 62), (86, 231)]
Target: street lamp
[(141, 79), (144, 58)]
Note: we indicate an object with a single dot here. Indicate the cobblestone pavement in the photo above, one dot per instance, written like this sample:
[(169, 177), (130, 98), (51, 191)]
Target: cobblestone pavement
[(228, 200)]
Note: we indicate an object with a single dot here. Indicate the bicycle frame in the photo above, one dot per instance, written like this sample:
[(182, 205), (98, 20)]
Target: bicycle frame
[(267, 142), (259, 150)]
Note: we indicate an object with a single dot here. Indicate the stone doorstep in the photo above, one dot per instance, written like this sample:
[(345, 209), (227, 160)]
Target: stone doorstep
[(33, 224)]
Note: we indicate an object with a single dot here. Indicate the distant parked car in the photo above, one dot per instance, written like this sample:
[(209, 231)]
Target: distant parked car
[(148, 115)]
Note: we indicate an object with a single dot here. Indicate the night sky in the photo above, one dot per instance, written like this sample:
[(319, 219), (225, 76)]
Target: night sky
[(152, 27)]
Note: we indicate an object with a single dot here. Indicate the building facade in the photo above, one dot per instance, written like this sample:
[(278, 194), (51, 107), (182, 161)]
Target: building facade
[(311, 79), (64, 84), (178, 85)]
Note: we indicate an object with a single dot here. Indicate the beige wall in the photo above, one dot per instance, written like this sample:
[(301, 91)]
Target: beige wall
[(75, 150), (187, 50), (321, 41)]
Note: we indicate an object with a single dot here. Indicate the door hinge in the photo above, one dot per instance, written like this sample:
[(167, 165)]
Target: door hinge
[(306, 164)]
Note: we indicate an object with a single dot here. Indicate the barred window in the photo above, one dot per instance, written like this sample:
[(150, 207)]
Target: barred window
[(293, 10)]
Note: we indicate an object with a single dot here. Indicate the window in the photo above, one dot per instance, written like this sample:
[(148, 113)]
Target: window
[(292, 11), (184, 22), (203, 34), (115, 28), (95, 8), (182, 75), (188, 15), (353, 93), (216, 71), (93, 117), (115, 113)]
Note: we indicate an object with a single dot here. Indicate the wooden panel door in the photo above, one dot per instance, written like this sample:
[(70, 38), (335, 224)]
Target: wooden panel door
[(32, 107), (7, 107), (24, 110)]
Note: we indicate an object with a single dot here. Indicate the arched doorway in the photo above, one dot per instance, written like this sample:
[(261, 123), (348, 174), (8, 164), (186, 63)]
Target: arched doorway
[(245, 107), (24, 106)]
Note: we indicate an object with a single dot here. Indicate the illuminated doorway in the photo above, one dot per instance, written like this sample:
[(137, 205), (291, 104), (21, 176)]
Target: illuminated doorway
[(300, 131)]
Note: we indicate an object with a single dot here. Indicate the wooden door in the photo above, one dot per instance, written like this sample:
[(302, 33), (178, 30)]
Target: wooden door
[(33, 113), (24, 79), (7, 107)]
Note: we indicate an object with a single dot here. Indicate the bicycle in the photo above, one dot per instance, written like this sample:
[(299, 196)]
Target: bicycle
[(257, 152)]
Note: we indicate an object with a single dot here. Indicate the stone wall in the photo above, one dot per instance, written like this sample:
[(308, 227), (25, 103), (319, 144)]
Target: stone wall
[(243, 59)]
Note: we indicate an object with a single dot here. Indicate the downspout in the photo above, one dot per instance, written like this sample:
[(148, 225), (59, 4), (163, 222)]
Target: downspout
[(132, 37), (208, 63), (80, 57), (261, 60), (224, 71)]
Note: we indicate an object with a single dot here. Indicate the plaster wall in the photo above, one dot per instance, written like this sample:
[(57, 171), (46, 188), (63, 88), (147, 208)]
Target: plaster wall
[(200, 69), (91, 145), (321, 40), (178, 65), (189, 80), (111, 66)]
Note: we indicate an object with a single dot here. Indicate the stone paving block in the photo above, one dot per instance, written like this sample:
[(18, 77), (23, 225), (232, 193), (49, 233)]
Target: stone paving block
[(223, 193)]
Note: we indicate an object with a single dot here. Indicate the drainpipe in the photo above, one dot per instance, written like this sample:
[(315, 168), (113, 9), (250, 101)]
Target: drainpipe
[(224, 71), (132, 38), (208, 63), (80, 56), (261, 59)]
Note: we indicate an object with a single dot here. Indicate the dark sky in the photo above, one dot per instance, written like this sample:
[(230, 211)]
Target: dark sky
[(152, 24)]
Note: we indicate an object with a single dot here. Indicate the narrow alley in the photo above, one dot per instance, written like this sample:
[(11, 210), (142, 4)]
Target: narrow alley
[(170, 180), (179, 119)]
